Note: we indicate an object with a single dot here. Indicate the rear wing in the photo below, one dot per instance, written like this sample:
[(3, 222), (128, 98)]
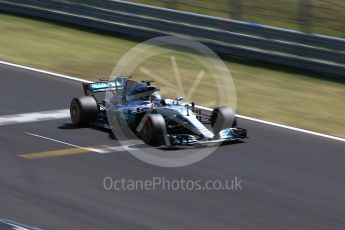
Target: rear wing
[(103, 86)]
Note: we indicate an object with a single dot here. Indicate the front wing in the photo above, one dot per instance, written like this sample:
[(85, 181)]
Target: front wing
[(226, 135)]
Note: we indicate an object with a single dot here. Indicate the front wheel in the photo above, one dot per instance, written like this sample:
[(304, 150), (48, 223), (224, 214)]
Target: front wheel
[(223, 117), (152, 132)]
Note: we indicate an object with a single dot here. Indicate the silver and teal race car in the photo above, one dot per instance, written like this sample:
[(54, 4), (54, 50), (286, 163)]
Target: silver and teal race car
[(138, 107)]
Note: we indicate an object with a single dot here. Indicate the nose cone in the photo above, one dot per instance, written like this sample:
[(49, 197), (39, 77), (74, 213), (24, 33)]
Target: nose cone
[(199, 128)]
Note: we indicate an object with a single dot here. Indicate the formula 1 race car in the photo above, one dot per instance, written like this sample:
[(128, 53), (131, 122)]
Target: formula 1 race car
[(155, 120)]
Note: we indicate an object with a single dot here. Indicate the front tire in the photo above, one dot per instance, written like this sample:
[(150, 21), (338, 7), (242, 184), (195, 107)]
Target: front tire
[(83, 110), (223, 117), (152, 132)]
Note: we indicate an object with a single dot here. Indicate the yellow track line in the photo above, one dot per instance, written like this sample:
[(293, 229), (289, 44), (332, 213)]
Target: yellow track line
[(54, 153)]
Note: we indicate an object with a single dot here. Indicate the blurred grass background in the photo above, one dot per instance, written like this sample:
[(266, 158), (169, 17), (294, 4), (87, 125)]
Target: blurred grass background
[(265, 91), (314, 16)]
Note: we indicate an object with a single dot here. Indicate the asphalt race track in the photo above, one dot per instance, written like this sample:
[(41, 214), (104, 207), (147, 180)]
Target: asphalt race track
[(291, 180)]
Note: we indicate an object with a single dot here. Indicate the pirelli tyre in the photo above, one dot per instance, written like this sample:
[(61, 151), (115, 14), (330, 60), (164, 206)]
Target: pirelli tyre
[(223, 117), (83, 111), (152, 132)]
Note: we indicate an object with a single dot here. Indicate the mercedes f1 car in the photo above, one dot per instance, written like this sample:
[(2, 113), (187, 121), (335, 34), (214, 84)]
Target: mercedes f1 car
[(155, 120)]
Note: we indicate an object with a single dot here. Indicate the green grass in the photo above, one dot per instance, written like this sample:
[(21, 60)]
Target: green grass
[(264, 91), (327, 16)]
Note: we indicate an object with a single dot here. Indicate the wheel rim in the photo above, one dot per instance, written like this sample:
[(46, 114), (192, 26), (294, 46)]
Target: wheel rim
[(146, 132), (214, 117), (75, 114)]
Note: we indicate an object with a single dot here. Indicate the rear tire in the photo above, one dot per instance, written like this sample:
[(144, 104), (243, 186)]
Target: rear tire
[(153, 131), (223, 117), (83, 110)]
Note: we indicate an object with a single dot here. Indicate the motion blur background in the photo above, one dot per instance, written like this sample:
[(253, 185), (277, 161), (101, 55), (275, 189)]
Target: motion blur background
[(312, 16)]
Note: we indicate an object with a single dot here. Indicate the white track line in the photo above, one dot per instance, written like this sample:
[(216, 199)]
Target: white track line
[(34, 117), (282, 126), (240, 116), (104, 150), (292, 128), (15, 225), (65, 143), (44, 71)]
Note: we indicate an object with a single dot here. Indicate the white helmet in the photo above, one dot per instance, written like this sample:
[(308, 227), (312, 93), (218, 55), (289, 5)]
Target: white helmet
[(155, 97)]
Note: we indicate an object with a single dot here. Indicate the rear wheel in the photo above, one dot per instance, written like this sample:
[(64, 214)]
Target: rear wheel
[(223, 117), (83, 111), (152, 132)]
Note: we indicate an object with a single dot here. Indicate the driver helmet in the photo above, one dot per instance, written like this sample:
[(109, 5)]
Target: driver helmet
[(155, 98)]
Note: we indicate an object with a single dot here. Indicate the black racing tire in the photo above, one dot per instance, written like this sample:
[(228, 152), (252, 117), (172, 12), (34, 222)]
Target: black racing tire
[(152, 132), (83, 111), (223, 117)]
